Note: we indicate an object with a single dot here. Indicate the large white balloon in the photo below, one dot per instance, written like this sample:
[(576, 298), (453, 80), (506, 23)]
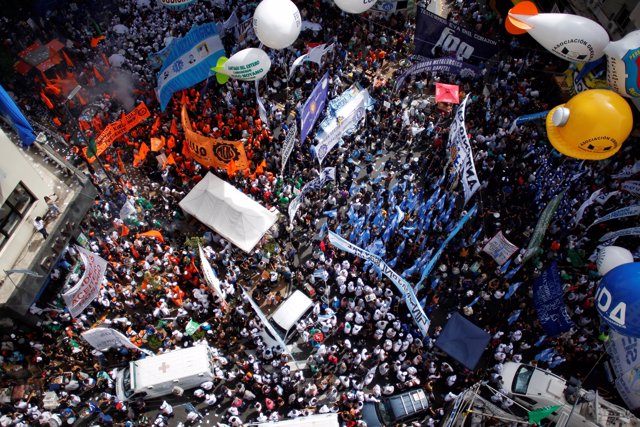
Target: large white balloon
[(248, 64), (355, 6), (277, 23), (622, 65), (611, 257), (571, 37)]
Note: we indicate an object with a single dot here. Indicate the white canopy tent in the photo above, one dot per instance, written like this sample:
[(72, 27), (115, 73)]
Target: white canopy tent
[(228, 211)]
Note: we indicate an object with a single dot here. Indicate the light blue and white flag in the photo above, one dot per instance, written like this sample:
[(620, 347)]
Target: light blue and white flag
[(189, 61), (611, 237), (432, 262), (327, 174), (343, 125), (628, 171), (461, 154), (620, 213), (419, 317), (289, 143), (261, 110), (632, 187)]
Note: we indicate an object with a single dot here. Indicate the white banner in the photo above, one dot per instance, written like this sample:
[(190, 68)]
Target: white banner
[(461, 153), (634, 231), (87, 289), (632, 187), (327, 174), (592, 198), (262, 112), (628, 171), (419, 316), (624, 355), (314, 55), (127, 210), (288, 145), (266, 322), (106, 338), (356, 114), (210, 277), (499, 248), (604, 198), (620, 213)]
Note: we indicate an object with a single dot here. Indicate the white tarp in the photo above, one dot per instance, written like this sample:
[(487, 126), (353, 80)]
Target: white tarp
[(229, 212), (105, 338)]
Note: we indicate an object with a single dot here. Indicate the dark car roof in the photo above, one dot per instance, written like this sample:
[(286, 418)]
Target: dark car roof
[(406, 404)]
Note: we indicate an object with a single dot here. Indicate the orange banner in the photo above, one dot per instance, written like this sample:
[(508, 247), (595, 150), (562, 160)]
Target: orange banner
[(118, 128), (213, 151)]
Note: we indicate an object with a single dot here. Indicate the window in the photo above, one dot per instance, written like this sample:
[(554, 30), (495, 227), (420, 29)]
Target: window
[(13, 211), (522, 378)]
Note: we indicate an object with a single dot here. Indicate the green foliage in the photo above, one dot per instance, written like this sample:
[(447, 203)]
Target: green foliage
[(193, 242)]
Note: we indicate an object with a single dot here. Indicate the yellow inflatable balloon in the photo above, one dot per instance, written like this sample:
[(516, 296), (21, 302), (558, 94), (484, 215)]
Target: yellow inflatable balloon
[(591, 126)]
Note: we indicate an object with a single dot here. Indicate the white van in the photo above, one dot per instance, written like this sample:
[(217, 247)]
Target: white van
[(286, 316), (160, 375)]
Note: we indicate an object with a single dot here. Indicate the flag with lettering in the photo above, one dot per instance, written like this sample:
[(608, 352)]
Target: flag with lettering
[(461, 154)]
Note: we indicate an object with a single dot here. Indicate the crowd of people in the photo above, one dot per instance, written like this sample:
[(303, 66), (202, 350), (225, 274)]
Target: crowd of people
[(395, 194)]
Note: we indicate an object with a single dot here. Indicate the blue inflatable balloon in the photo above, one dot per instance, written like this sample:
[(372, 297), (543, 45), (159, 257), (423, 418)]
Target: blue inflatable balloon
[(618, 299)]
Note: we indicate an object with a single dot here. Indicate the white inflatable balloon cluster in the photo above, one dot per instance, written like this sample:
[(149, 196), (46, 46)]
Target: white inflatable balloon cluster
[(579, 39), (277, 23)]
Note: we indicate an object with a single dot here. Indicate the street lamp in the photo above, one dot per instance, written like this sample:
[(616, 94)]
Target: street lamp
[(20, 271)]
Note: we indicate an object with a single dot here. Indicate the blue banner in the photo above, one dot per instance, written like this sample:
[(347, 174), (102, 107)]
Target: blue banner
[(156, 59), (432, 262), (313, 107), (11, 111), (189, 61), (441, 65), (531, 117), (549, 303), (434, 33)]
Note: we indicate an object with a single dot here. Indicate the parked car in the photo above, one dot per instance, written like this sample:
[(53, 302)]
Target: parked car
[(401, 407)]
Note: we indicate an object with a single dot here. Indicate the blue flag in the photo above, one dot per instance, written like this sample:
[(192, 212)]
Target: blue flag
[(512, 290), (331, 214), (514, 316), (549, 303), (11, 111), (313, 107), (189, 62)]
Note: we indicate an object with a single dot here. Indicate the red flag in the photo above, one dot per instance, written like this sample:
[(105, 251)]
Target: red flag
[(156, 126), (124, 230), (231, 168), (135, 253), (173, 130), (121, 164), (105, 60), (142, 154), (96, 40), (46, 100), (170, 161), (260, 168), (171, 142), (156, 144), (97, 74), (185, 149), (67, 59), (152, 233)]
